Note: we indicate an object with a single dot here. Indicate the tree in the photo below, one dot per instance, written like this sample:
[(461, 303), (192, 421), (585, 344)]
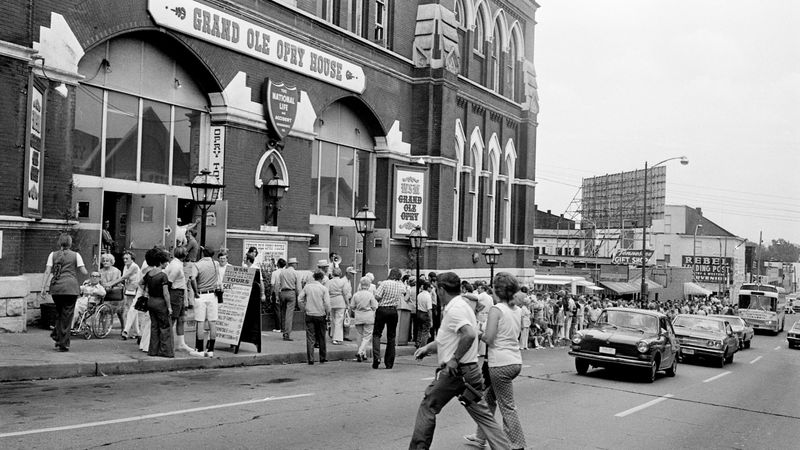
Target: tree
[(781, 250)]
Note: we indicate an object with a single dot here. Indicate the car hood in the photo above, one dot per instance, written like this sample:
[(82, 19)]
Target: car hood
[(698, 334), (618, 335)]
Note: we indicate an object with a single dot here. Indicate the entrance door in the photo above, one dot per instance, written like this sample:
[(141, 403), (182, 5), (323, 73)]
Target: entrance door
[(147, 222)]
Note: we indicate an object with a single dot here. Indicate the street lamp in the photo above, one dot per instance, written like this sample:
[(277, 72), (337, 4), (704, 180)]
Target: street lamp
[(694, 249), (275, 189), (205, 191), (417, 238), (684, 161), (365, 224), (491, 255)]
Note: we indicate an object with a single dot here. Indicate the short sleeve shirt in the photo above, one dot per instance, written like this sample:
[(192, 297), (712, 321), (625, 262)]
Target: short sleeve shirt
[(457, 314), (174, 271)]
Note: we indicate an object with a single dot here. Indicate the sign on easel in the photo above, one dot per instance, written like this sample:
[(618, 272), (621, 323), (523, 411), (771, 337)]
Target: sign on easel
[(240, 312)]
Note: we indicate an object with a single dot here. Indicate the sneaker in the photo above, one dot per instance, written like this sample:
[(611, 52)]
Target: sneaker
[(197, 354), (209, 354), (473, 441), (276, 331)]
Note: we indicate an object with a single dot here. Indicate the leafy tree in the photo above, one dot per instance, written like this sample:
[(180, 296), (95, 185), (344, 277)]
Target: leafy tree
[(781, 250)]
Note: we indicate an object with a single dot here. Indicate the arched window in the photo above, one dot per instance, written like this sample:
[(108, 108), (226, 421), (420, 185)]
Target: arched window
[(478, 36), (460, 13), (496, 59), (510, 69)]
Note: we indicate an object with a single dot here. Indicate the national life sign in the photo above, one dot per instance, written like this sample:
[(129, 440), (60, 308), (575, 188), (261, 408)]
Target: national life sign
[(281, 101), (212, 25), (630, 257), (708, 269)]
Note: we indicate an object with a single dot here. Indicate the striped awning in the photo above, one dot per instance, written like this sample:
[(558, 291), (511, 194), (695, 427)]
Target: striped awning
[(695, 289), (620, 287)]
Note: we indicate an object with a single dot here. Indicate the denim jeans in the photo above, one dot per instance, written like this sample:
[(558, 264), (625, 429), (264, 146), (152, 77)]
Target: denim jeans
[(315, 332), (441, 390), (385, 316)]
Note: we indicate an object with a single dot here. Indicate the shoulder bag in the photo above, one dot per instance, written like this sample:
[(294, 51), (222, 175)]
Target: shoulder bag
[(141, 302)]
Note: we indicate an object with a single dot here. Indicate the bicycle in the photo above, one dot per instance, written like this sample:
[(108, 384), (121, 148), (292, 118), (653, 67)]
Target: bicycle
[(96, 321)]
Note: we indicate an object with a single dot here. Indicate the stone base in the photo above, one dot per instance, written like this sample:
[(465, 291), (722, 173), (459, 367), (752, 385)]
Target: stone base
[(13, 307)]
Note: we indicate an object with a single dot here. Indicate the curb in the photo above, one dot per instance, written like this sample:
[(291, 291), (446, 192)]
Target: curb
[(150, 365)]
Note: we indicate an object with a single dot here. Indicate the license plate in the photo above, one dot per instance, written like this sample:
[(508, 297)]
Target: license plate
[(688, 351), (608, 351)]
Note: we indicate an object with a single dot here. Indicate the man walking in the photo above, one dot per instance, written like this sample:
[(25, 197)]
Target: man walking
[(457, 347), (316, 304), (389, 295), (288, 283)]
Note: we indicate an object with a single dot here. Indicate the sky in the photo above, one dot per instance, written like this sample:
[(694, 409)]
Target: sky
[(622, 82)]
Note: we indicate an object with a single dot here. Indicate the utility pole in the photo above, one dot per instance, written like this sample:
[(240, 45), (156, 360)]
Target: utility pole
[(760, 257)]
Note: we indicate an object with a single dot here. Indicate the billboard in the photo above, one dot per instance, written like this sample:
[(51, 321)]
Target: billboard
[(709, 269), (616, 200)]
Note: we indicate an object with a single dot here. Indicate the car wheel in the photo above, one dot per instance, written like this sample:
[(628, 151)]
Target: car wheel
[(747, 344), (729, 359), (721, 360), (651, 372), (581, 366), (672, 369)]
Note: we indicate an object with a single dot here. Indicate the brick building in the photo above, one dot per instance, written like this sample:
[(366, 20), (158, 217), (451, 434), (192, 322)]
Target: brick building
[(423, 111)]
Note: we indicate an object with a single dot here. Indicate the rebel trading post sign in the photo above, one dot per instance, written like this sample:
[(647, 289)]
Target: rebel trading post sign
[(409, 199)]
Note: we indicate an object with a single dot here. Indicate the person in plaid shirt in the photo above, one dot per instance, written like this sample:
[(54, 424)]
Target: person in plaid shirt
[(389, 295)]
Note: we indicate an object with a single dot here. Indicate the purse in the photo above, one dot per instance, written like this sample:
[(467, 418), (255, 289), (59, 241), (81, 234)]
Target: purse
[(114, 294), (141, 304), (348, 319)]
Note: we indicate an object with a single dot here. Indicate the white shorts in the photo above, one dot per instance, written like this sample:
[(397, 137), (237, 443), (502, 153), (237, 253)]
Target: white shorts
[(205, 307)]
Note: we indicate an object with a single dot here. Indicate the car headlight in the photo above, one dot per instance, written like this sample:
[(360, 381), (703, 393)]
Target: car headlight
[(642, 346), (714, 344), (770, 322), (577, 338)]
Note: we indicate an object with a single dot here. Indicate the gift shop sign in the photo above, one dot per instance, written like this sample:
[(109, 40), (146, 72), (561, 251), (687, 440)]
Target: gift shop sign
[(409, 199), (630, 257), (212, 25)]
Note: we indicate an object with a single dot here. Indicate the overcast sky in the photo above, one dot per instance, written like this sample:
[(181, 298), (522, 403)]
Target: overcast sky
[(622, 82)]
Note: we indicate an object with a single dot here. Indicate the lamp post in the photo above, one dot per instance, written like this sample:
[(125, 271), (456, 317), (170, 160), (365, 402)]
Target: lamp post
[(694, 250), (417, 238), (365, 224), (205, 191), (275, 189), (684, 161), (491, 255)]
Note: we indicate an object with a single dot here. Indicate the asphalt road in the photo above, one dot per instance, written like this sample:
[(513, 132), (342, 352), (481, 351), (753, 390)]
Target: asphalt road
[(752, 403)]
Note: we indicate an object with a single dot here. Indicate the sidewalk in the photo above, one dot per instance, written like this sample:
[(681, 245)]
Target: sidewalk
[(31, 355)]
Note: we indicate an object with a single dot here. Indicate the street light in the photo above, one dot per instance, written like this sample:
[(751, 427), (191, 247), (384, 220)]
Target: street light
[(205, 191), (694, 249), (274, 191), (365, 224), (417, 238), (491, 255), (684, 161)]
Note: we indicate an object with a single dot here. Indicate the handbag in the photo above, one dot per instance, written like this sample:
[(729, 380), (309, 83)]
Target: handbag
[(348, 319), (141, 304), (114, 294), (217, 291)]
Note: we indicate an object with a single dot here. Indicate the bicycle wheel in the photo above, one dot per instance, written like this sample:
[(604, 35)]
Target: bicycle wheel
[(101, 322)]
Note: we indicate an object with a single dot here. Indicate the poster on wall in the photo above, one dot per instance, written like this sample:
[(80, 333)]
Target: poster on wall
[(267, 250), (410, 189), (709, 269), (34, 152), (237, 284)]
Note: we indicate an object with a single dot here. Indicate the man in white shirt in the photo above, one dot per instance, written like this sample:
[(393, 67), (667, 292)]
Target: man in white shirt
[(457, 347)]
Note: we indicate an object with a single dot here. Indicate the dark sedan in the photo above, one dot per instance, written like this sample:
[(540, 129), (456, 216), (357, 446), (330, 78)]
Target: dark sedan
[(742, 329), (628, 337), (706, 337), (793, 336)]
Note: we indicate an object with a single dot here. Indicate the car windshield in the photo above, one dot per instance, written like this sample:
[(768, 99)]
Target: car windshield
[(757, 302), (736, 322), (698, 323), (630, 319)]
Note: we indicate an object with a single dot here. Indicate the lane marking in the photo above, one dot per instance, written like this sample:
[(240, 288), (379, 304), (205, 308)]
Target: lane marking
[(150, 416), (428, 379), (778, 347), (525, 366), (716, 377), (643, 406), (755, 360)]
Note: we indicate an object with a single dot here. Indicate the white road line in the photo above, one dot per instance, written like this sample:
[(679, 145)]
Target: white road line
[(778, 347), (755, 360), (149, 416), (524, 366), (428, 379), (716, 377), (643, 406)]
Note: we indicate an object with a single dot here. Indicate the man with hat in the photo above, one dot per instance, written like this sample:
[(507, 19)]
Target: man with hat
[(288, 284), (323, 265)]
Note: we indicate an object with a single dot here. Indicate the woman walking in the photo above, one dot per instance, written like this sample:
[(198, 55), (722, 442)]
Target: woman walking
[(110, 279), (364, 306), (505, 359), (158, 304), (130, 278), (339, 291), (63, 265)]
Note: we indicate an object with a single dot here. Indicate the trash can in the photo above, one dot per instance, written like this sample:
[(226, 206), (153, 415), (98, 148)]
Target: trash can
[(48, 319)]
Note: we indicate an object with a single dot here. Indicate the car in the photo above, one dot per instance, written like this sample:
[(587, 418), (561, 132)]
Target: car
[(793, 336), (704, 337), (742, 329), (624, 337)]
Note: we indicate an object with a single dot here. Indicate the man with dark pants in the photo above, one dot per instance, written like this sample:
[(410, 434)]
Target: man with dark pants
[(389, 295), (457, 347), (288, 283), (316, 304)]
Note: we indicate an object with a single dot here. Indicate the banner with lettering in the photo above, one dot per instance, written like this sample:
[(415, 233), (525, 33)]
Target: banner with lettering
[(409, 199), (34, 151), (212, 25)]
